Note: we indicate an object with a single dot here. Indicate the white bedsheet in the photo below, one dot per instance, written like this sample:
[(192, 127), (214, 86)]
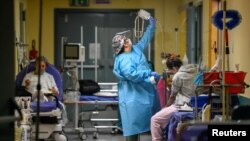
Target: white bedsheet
[(107, 94)]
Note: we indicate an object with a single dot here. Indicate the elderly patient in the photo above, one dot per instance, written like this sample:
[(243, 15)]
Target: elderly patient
[(47, 81)]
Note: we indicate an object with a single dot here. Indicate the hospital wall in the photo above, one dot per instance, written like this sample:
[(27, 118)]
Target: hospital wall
[(239, 39), (166, 14), (239, 42), (169, 13)]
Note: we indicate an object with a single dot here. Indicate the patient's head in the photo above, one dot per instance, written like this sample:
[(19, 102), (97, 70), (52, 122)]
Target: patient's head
[(43, 64), (173, 63)]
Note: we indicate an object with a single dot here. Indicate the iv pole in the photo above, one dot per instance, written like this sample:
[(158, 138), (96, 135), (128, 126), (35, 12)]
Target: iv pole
[(224, 95), (39, 70)]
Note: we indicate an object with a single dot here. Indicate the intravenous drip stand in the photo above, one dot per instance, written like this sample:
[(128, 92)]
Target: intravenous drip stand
[(219, 20)]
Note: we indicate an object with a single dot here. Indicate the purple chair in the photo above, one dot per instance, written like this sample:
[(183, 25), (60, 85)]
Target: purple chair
[(51, 69), (51, 126)]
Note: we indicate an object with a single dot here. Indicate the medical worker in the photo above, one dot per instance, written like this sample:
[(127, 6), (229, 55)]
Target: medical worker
[(182, 88), (138, 100)]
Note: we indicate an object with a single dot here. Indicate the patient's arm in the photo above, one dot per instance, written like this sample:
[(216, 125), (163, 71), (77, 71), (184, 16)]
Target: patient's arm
[(54, 91), (27, 82), (51, 85), (171, 99)]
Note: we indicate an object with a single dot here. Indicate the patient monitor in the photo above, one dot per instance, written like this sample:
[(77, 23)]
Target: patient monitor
[(73, 53), (74, 56)]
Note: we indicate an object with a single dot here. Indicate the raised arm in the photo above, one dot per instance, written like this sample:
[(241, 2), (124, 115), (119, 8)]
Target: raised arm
[(147, 35)]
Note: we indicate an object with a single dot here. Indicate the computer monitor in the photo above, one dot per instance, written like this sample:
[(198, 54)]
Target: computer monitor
[(73, 52)]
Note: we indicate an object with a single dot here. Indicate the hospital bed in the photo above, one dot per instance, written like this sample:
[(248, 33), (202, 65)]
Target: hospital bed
[(107, 96), (51, 120)]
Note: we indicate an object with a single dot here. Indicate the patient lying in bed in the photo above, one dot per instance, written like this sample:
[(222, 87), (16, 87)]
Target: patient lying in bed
[(47, 82)]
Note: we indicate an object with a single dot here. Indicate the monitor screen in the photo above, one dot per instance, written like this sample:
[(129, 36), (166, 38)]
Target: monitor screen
[(71, 51)]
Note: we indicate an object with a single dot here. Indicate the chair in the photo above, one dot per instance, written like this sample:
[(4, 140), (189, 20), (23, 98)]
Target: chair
[(51, 119)]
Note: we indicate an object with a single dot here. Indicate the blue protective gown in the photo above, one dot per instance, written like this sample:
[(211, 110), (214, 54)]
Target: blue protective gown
[(138, 99)]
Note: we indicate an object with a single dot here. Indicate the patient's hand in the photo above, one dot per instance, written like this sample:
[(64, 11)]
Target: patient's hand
[(27, 82), (54, 91)]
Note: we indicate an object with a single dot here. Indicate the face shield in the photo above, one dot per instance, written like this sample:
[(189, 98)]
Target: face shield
[(119, 40), (117, 43), (127, 42)]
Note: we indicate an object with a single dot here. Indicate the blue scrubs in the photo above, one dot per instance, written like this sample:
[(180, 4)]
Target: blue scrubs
[(138, 99)]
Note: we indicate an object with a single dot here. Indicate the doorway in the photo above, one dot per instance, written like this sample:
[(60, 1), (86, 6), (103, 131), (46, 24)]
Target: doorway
[(90, 27)]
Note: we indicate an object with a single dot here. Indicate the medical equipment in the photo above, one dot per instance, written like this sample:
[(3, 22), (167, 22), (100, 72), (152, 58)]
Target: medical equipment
[(139, 22), (25, 124), (123, 32), (74, 52), (51, 112), (107, 97), (22, 58), (72, 96)]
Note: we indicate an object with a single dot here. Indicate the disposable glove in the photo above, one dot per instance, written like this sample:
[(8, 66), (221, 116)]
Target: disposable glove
[(156, 76), (144, 14), (152, 21)]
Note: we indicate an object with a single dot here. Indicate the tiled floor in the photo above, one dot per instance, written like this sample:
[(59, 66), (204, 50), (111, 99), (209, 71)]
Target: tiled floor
[(103, 135), (88, 132)]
